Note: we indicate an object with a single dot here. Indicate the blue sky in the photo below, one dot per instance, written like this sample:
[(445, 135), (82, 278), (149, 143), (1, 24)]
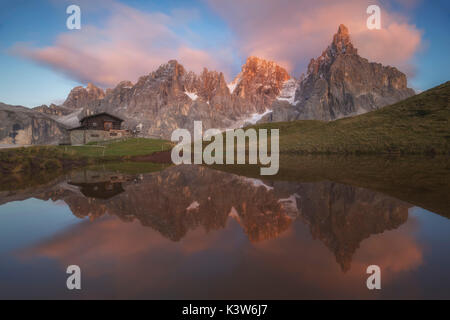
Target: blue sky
[(41, 61)]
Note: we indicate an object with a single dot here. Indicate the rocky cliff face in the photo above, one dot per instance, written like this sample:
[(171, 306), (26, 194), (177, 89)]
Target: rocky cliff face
[(22, 126), (337, 84), (53, 110), (171, 98), (164, 100), (258, 84), (340, 83), (80, 97)]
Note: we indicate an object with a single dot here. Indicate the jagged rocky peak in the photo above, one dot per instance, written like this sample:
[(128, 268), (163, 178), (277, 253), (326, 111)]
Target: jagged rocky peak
[(341, 42), (79, 97), (93, 90), (168, 78), (172, 97), (340, 83), (207, 84), (341, 45), (257, 85), (288, 90), (259, 76), (125, 85), (166, 99), (171, 70), (53, 110)]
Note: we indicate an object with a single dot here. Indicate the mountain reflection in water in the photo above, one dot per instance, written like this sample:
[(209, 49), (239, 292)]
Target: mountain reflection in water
[(183, 198), (200, 208)]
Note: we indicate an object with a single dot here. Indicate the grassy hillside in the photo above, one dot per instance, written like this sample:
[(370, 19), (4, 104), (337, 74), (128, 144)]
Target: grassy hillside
[(417, 125), (56, 157)]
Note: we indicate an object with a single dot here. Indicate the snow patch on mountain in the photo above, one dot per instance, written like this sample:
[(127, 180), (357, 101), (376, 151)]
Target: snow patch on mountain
[(232, 85), (252, 119), (191, 95), (288, 91), (255, 117)]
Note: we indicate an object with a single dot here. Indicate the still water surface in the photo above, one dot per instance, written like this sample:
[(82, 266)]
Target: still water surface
[(199, 233)]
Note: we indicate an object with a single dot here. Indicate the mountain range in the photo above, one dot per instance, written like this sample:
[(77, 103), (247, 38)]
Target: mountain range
[(339, 83), (179, 199)]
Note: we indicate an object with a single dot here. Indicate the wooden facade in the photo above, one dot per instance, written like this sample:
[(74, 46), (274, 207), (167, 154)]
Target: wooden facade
[(101, 121), (97, 127)]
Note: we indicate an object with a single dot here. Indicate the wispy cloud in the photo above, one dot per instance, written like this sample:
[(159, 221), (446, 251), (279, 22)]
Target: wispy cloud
[(130, 44)]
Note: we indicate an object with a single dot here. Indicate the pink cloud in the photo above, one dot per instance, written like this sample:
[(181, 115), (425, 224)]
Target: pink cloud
[(139, 260), (132, 43), (293, 32), (129, 45)]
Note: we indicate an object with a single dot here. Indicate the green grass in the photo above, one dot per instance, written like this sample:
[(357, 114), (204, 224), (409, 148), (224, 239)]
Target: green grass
[(123, 148), (417, 125), (62, 157)]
